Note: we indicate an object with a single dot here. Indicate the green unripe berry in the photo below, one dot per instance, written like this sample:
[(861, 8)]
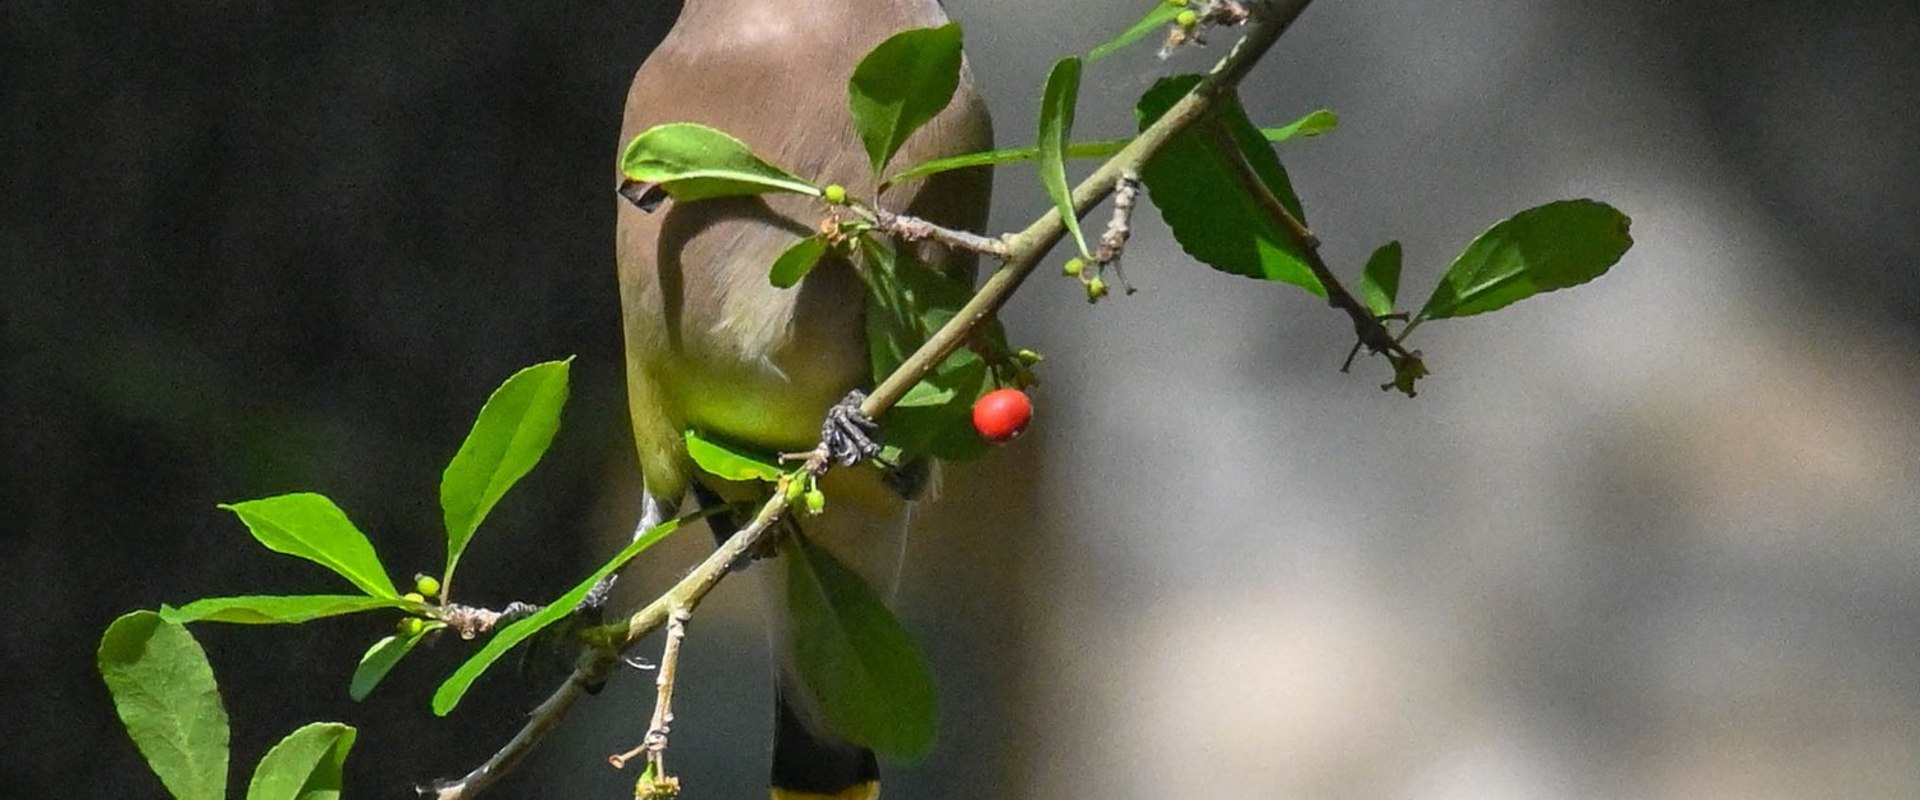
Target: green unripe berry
[(795, 488), (1096, 289), (414, 597), (427, 585), (835, 194), (1177, 3), (411, 626), (1074, 267), (816, 501), (1186, 19), (1029, 357)]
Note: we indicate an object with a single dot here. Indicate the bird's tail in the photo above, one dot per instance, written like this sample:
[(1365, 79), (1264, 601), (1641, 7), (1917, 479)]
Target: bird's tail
[(811, 765)]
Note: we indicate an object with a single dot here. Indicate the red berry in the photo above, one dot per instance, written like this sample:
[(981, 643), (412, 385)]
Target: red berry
[(1002, 414)]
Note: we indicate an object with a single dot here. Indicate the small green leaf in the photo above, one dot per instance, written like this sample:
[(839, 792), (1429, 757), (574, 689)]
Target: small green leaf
[(1213, 216), (1380, 281), (304, 766), (694, 162), (310, 526), (797, 261), (1316, 122), (858, 663), (729, 461), (1549, 247), (1313, 124), (906, 303), (901, 85), (380, 660), (508, 438), (456, 685), (1057, 102), (276, 610), (1158, 19), (164, 692)]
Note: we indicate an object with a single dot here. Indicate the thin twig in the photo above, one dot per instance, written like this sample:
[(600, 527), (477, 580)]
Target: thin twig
[(654, 744), (1023, 253), (1370, 330), (914, 229)]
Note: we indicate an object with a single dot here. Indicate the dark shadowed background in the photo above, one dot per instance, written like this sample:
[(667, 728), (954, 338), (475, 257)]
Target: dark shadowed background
[(1655, 537)]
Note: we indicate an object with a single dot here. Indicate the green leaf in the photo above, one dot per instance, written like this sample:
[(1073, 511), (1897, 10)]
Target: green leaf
[(1213, 216), (276, 610), (729, 461), (1313, 124), (902, 84), (906, 303), (509, 437), (1159, 18), (694, 162), (797, 261), (310, 526), (1549, 247), (1316, 122), (380, 660), (1380, 281), (1057, 102), (304, 766), (164, 692), (858, 663), (456, 685)]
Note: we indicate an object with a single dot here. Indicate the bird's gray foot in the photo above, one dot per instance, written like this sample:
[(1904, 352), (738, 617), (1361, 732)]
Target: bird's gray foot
[(847, 433)]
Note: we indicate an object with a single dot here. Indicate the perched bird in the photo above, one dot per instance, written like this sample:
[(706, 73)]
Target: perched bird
[(712, 345)]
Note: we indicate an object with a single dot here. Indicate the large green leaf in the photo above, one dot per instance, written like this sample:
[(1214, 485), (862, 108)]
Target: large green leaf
[(1212, 214), (1057, 103), (380, 660), (1313, 124), (1157, 19), (164, 691), (796, 261), (906, 303), (509, 437), (312, 527), (694, 162), (1548, 247), (456, 685), (730, 461), (902, 84), (1380, 281), (304, 766), (276, 610), (858, 663)]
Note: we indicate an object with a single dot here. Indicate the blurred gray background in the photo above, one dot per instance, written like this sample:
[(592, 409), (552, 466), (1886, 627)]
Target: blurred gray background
[(1649, 538)]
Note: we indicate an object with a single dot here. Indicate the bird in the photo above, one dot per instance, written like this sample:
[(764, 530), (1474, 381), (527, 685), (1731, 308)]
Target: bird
[(711, 345)]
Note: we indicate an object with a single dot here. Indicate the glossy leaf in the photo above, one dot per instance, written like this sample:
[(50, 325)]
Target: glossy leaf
[(729, 461), (1380, 281), (694, 162), (306, 765), (276, 610), (1057, 103), (1156, 20), (1313, 124), (796, 261), (1549, 247), (860, 666), (455, 686), (380, 660), (310, 526), (164, 692), (513, 431), (906, 303), (902, 84), (1212, 214)]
